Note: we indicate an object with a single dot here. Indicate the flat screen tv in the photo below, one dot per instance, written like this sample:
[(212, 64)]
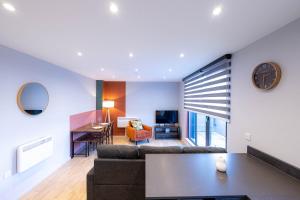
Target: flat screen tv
[(166, 116)]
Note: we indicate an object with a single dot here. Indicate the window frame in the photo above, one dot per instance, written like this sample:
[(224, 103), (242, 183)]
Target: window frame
[(207, 130)]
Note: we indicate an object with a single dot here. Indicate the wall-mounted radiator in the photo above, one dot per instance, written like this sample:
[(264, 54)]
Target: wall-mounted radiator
[(33, 153), (122, 122)]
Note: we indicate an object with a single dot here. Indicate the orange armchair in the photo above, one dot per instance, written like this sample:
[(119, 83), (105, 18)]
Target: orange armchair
[(139, 135)]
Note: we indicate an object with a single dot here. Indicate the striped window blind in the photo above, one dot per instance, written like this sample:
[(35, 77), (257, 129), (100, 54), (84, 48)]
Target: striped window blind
[(208, 89)]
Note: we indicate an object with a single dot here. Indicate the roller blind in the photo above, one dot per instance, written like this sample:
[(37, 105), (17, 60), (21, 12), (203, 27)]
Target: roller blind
[(208, 89)]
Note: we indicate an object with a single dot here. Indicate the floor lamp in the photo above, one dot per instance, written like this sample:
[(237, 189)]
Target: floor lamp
[(108, 104)]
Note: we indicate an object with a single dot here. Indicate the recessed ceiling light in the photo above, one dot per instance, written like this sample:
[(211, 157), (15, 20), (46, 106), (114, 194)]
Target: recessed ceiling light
[(102, 69), (170, 70), (136, 69), (9, 7), (79, 53), (130, 55), (139, 77), (181, 55), (114, 8), (217, 10)]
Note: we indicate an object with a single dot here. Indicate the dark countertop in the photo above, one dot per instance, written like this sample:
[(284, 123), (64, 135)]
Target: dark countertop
[(89, 128), (195, 175)]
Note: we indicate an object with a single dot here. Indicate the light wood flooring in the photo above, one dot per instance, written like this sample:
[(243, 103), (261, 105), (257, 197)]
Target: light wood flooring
[(69, 181)]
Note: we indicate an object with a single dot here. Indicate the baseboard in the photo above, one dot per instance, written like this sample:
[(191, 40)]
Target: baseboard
[(281, 165)]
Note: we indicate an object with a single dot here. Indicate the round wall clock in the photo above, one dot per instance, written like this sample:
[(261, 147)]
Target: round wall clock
[(266, 75)]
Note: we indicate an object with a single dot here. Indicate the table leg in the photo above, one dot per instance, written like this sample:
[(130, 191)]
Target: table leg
[(71, 145)]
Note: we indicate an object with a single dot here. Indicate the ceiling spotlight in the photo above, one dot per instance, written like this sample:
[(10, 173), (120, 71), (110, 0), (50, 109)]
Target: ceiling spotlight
[(114, 8), (130, 55), (139, 77), (9, 7), (181, 55), (102, 69), (136, 69), (170, 70), (79, 54), (217, 10)]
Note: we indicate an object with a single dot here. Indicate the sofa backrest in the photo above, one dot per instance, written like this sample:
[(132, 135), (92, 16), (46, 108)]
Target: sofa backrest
[(126, 163), (203, 150), (134, 152), (118, 151), (143, 150)]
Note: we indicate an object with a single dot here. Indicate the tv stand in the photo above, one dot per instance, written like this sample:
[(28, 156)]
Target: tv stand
[(167, 131)]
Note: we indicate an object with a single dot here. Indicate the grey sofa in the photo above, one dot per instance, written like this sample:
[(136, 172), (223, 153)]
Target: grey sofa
[(119, 170)]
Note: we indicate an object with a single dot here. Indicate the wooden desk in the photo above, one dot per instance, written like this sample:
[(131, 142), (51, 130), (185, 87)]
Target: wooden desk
[(183, 176), (84, 130)]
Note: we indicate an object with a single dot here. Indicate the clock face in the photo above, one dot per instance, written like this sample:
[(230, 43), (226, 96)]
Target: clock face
[(266, 75)]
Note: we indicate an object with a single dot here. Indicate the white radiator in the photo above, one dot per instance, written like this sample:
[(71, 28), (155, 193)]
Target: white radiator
[(122, 122), (33, 153)]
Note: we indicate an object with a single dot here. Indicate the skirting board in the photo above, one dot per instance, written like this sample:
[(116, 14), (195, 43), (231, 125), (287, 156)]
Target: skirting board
[(281, 165)]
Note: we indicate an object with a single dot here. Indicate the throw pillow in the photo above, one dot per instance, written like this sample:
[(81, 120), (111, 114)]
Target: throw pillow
[(137, 124)]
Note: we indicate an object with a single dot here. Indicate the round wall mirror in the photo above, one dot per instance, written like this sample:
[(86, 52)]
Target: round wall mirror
[(33, 98)]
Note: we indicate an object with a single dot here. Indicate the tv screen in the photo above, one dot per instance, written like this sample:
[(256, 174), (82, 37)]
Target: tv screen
[(166, 116)]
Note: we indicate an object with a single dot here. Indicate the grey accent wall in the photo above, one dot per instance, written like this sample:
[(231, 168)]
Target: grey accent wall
[(271, 117), (69, 93), (99, 94), (144, 98)]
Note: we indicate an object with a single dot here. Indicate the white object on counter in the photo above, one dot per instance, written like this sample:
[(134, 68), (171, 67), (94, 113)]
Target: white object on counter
[(221, 164)]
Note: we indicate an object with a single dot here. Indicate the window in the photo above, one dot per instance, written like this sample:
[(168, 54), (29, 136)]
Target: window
[(207, 90), (192, 127), (207, 100), (206, 131)]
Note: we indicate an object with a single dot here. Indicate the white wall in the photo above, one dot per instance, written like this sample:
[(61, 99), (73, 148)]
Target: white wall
[(69, 93), (272, 117), (144, 98)]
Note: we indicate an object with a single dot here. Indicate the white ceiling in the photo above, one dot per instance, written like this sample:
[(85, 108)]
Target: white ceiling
[(155, 31)]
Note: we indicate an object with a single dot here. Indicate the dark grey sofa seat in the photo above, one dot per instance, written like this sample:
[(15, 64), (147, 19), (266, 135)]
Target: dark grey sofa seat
[(119, 170)]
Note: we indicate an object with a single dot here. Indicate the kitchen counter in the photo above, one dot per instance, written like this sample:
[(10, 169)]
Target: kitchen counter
[(194, 175)]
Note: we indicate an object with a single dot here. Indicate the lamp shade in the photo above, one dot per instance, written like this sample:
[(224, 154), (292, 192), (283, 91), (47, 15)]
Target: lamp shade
[(108, 104)]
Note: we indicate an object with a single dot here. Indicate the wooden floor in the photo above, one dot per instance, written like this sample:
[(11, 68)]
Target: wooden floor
[(69, 181)]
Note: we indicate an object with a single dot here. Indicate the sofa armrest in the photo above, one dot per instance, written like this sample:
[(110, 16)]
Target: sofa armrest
[(131, 132), (119, 171), (147, 128), (90, 184)]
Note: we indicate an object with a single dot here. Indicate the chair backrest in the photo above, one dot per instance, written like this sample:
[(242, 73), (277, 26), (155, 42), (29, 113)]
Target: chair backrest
[(129, 123)]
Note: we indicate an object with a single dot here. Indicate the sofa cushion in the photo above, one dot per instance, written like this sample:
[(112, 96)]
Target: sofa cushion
[(203, 150), (137, 124), (118, 151), (143, 150)]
